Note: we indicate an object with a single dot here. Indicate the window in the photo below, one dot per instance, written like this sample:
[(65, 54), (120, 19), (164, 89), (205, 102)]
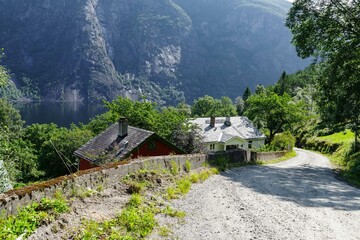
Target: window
[(250, 145), (212, 146)]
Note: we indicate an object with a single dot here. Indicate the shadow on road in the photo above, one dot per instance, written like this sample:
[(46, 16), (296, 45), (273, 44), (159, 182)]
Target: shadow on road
[(305, 185)]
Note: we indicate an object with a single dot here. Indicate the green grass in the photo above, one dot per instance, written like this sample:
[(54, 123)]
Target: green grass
[(164, 231), (344, 157), (341, 137), (32, 216), (183, 185), (169, 211), (136, 221)]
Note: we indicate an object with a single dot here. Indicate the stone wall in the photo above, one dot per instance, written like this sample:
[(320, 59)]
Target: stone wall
[(109, 175), (266, 156), (234, 156), (245, 156)]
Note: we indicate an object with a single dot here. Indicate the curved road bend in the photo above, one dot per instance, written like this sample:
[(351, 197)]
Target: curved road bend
[(296, 199)]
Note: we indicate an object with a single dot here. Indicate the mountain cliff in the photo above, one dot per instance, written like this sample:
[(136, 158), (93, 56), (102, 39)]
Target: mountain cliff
[(166, 50)]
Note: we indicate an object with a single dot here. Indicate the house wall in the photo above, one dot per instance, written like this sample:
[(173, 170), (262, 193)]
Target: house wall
[(84, 164), (145, 150), (218, 147), (243, 144), (160, 149), (236, 141)]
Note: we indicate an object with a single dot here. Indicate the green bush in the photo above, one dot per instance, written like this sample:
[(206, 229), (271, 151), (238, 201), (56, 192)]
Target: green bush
[(283, 141), (183, 185), (187, 166), (221, 162), (139, 221), (174, 168), (31, 217)]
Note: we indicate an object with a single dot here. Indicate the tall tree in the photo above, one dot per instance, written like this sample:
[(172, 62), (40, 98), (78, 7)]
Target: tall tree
[(240, 105), (246, 94), (208, 106), (329, 30), (260, 89), (281, 86), (273, 112)]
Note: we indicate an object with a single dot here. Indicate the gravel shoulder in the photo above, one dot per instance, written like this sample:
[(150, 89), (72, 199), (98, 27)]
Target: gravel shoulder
[(296, 199)]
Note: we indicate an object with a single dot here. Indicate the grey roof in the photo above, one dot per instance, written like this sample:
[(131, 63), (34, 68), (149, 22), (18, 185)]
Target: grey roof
[(240, 127), (108, 146)]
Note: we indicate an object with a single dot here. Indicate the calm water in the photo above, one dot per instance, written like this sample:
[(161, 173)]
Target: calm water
[(63, 114)]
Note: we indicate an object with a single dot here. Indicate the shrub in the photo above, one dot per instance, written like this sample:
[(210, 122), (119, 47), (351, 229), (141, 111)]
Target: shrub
[(187, 166), (136, 200), (139, 221), (31, 217), (174, 168), (171, 193), (283, 141), (194, 178), (203, 175), (221, 162), (184, 186), (135, 187)]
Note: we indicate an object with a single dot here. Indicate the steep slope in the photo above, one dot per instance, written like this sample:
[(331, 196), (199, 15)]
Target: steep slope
[(235, 44), (83, 50)]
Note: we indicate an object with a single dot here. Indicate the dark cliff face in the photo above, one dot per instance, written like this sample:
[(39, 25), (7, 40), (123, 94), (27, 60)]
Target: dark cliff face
[(79, 50)]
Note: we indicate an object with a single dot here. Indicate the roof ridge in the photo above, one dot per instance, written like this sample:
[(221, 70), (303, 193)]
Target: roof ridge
[(144, 130)]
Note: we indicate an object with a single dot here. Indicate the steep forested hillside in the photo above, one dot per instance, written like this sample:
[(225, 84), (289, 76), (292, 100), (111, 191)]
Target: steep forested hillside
[(167, 50)]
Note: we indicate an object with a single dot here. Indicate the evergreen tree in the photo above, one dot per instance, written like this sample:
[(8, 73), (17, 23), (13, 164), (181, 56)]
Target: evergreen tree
[(246, 94), (281, 85)]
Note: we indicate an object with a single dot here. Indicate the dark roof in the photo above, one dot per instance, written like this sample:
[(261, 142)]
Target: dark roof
[(108, 146)]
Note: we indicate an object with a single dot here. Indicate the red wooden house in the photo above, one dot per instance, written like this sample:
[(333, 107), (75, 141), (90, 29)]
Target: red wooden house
[(120, 141)]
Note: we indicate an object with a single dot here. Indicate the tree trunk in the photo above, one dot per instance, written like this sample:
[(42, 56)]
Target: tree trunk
[(271, 136)]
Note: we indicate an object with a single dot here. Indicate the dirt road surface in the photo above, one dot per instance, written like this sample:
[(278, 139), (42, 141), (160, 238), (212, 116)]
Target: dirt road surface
[(296, 199)]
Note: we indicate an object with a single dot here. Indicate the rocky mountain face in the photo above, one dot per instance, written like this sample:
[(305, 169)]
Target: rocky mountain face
[(166, 50)]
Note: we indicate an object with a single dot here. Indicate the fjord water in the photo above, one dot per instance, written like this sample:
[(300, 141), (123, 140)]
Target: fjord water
[(62, 114)]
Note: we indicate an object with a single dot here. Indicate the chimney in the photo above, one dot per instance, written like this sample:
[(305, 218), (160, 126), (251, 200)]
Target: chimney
[(227, 121), (123, 127), (212, 121)]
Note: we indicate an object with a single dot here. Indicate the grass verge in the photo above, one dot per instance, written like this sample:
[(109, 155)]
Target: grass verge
[(32, 216), (137, 220)]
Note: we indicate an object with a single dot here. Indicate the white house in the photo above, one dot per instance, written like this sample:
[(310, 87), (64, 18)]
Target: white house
[(224, 133)]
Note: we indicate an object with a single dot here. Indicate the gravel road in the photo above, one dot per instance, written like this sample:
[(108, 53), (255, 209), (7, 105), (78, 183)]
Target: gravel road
[(295, 199)]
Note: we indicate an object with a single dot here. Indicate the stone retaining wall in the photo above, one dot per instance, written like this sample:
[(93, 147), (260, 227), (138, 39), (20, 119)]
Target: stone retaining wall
[(266, 156), (234, 155), (109, 175)]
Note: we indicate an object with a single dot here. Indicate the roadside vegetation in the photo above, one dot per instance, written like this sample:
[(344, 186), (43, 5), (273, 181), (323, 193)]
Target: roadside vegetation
[(340, 149), (32, 216), (151, 193), (151, 198)]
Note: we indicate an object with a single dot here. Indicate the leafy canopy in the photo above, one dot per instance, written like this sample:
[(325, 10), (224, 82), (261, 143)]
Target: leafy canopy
[(273, 112), (330, 31), (208, 106)]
